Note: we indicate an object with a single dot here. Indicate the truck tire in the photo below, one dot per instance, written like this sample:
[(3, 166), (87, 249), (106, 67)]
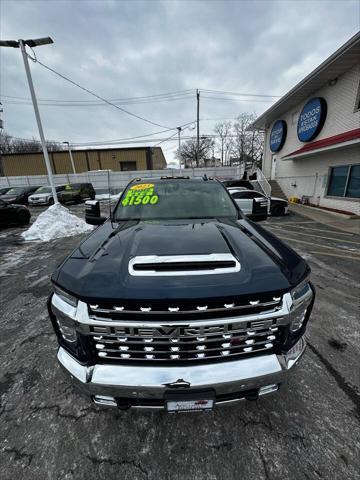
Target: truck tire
[(23, 218), (278, 210)]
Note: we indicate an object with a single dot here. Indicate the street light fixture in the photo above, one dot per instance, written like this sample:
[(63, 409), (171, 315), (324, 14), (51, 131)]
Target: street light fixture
[(71, 157), (34, 42)]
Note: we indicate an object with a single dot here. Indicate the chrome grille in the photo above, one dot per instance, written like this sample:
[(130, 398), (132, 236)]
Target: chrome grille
[(184, 344), (190, 309)]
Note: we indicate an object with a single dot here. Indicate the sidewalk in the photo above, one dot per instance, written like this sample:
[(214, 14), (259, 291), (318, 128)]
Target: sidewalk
[(334, 220)]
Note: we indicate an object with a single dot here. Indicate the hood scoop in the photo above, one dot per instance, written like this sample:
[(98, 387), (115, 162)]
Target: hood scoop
[(181, 265)]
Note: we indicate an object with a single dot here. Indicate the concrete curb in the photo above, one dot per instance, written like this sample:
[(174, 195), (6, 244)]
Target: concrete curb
[(338, 221), (344, 216)]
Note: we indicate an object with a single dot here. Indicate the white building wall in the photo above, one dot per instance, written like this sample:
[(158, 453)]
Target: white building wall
[(309, 176), (342, 116)]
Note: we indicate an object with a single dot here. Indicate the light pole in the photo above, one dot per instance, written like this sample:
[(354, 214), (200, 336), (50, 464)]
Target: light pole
[(179, 133), (22, 45), (197, 125), (71, 157)]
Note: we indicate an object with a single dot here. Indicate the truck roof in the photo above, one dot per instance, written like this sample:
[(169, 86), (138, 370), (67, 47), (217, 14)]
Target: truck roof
[(204, 178)]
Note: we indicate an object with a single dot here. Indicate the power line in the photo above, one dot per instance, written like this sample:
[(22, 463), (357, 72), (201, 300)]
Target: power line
[(238, 99), (101, 104), (169, 94), (166, 139), (155, 98), (108, 142), (221, 92), (160, 100), (105, 142), (81, 105), (98, 96)]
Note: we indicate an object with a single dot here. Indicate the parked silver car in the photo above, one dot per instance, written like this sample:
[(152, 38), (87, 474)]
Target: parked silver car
[(44, 196)]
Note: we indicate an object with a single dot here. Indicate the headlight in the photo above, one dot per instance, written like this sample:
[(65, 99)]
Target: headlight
[(70, 299), (302, 296), (66, 327), (64, 308)]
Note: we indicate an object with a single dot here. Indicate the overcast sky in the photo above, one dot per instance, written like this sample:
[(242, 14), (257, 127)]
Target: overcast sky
[(122, 49)]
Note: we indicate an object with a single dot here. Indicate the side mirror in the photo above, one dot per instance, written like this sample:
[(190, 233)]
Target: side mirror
[(92, 213)]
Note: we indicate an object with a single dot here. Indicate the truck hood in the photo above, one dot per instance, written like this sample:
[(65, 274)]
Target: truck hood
[(99, 268)]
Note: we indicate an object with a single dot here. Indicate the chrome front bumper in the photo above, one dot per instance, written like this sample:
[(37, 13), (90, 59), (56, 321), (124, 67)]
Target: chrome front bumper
[(143, 383), (38, 202)]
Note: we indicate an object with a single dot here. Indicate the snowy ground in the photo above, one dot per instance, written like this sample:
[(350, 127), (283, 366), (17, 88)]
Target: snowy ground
[(105, 196), (307, 431)]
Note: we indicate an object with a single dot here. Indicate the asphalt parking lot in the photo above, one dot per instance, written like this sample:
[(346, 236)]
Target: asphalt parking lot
[(309, 430)]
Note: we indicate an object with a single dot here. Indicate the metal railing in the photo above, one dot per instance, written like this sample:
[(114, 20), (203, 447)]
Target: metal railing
[(104, 181)]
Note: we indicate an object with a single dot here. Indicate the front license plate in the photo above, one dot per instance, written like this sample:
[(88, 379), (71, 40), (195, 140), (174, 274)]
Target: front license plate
[(189, 405), (193, 401)]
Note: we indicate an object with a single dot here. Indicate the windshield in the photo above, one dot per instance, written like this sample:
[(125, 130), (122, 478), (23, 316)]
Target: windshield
[(15, 191), (43, 190), (174, 199)]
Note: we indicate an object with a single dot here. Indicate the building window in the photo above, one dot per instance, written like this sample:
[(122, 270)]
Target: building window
[(344, 181), (127, 166), (357, 103)]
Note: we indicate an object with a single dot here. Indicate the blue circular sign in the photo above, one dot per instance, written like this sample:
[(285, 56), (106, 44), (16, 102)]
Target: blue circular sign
[(278, 135), (311, 119)]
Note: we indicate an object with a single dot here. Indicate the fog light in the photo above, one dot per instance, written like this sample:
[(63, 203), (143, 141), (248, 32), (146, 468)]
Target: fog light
[(268, 389), (105, 400), (293, 355)]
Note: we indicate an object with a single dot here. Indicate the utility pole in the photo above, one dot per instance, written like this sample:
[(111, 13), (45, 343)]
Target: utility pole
[(198, 126), (1, 120), (179, 138), (37, 116), (34, 43), (71, 157)]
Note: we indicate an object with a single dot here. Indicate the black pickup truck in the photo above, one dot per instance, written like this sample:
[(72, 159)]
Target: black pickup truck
[(178, 301)]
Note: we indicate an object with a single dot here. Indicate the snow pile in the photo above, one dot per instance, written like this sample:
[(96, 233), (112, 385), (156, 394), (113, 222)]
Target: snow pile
[(105, 196), (56, 222)]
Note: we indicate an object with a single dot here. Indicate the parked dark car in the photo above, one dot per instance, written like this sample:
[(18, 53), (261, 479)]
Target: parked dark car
[(4, 190), (11, 214), (76, 192), (19, 195), (238, 183), (177, 301)]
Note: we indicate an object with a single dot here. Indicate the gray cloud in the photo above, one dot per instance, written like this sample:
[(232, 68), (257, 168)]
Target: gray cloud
[(126, 49)]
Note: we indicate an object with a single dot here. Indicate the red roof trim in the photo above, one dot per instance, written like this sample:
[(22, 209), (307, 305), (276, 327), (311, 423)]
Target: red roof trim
[(327, 142)]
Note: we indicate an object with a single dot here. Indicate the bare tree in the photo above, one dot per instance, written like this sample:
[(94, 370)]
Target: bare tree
[(228, 149), (248, 142), (9, 144), (188, 151), (223, 129), (5, 142)]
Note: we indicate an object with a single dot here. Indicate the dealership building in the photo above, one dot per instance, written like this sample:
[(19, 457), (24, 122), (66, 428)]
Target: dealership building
[(115, 159), (312, 134)]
